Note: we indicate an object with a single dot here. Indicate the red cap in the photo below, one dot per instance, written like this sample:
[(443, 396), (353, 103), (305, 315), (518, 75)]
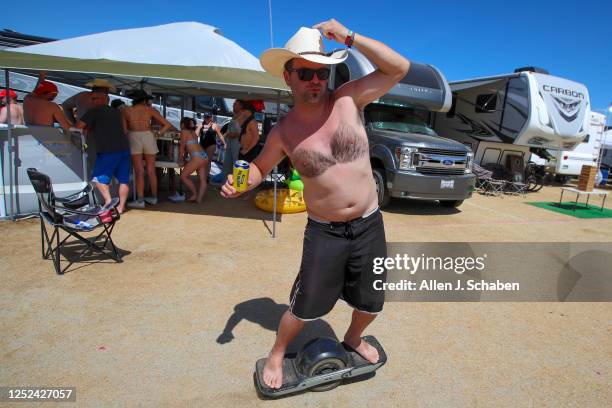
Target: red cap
[(258, 105), (45, 87), (12, 94)]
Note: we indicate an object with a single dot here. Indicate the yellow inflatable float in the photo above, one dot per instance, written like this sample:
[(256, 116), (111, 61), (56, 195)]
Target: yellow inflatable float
[(287, 201)]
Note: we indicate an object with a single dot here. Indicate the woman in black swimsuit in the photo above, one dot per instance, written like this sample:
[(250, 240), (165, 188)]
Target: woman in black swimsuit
[(208, 132)]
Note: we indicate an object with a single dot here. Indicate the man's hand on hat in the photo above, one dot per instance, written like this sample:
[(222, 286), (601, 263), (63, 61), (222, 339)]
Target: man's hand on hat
[(333, 30)]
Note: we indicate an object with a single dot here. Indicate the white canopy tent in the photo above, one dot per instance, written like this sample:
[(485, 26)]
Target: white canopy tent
[(186, 44), (185, 58), (181, 58)]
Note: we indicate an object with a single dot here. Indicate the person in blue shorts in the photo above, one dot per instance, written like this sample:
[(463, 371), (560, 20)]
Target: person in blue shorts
[(105, 125)]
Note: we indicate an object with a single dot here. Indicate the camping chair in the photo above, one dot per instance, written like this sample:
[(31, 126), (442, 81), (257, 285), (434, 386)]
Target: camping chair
[(501, 174), (485, 183), (74, 215)]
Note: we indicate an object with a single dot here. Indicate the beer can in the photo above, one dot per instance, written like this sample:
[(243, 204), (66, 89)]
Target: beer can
[(241, 175)]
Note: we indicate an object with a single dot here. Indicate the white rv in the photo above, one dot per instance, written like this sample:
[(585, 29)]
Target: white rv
[(507, 114), (606, 154), (570, 162)]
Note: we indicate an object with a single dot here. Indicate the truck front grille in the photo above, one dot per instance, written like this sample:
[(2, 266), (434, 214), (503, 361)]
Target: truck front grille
[(435, 172), (441, 162)]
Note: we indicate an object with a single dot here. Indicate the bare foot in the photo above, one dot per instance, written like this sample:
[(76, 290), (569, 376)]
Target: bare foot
[(120, 210), (273, 371), (365, 349)]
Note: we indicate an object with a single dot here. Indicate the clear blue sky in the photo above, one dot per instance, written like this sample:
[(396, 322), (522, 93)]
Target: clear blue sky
[(467, 39)]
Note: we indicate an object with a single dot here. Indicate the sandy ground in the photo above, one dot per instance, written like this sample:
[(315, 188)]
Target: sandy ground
[(152, 330)]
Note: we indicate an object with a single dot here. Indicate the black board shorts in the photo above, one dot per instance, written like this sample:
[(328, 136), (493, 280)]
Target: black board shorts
[(337, 262)]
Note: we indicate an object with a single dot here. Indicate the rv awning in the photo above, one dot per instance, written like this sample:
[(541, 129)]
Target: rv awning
[(187, 80), (491, 82)]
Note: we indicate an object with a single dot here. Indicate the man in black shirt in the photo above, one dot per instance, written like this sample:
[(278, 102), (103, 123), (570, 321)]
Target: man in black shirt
[(105, 125)]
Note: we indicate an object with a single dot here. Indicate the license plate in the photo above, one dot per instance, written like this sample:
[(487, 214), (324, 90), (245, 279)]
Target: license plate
[(447, 183)]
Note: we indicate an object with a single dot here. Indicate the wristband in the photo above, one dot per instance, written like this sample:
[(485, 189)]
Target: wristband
[(350, 37)]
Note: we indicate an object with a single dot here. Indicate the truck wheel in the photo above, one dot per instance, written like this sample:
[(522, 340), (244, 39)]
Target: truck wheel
[(451, 203), (381, 187)]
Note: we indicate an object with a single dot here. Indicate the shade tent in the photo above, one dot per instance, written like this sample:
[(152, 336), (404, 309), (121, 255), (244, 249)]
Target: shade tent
[(162, 59), (186, 44), (181, 58)]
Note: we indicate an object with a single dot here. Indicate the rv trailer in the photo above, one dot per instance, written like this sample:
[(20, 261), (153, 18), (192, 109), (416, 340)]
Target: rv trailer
[(507, 114), (569, 162), (409, 160), (606, 154)]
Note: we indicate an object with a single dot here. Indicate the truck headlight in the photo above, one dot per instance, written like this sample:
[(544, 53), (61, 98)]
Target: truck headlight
[(469, 161), (407, 157)]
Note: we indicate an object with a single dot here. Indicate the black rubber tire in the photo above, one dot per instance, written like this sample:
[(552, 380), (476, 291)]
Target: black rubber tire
[(326, 365), (451, 203), (381, 182)]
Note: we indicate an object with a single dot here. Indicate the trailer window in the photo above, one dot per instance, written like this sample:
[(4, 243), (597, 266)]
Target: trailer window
[(491, 155), (174, 101), (486, 103)]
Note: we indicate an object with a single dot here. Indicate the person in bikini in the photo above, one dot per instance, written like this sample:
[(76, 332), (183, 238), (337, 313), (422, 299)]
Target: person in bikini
[(325, 139), (198, 160), (138, 119)]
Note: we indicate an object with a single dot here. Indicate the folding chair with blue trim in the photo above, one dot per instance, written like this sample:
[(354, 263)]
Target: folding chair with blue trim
[(75, 214)]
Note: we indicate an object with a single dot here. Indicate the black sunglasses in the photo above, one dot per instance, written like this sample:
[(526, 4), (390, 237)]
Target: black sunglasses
[(306, 74)]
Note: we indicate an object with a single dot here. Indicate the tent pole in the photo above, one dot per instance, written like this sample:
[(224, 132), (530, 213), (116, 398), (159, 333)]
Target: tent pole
[(9, 138), (275, 170), (182, 106)]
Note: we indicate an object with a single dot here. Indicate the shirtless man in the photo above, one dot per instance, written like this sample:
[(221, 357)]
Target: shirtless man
[(324, 137), (39, 110), (138, 119), (16, 109)]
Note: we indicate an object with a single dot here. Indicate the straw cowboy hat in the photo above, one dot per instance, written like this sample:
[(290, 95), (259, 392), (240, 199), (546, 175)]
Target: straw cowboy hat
[(101, 83), (307, 43)]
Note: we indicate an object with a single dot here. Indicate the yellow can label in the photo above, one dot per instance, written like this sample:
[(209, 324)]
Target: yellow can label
[(241, 175)]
